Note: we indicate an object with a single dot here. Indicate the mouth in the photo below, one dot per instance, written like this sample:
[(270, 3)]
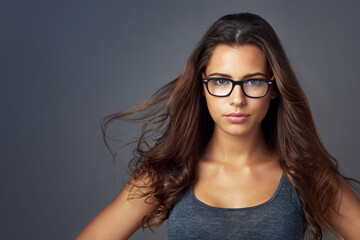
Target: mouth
[(237, 117)]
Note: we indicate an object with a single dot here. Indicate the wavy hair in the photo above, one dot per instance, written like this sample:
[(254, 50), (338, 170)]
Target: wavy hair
[(177, 127)]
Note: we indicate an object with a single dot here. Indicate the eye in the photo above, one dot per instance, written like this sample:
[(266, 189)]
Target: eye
[(254, 82), (221, 82)]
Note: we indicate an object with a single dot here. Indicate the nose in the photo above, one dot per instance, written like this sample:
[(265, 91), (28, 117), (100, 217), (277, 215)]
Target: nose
[(237, 96)]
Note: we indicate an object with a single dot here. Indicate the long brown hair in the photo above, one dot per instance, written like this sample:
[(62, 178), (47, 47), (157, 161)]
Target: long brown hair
[(177, 127)]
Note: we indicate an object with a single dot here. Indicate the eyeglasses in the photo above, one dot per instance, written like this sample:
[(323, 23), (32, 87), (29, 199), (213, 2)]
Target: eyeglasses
[(252, 88)]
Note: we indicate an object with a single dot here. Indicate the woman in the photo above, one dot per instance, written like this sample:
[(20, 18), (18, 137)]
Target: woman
[(229, 150)]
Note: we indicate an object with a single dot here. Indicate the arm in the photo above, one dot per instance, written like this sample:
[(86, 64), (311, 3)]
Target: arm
[(119, 220), (347, 220)]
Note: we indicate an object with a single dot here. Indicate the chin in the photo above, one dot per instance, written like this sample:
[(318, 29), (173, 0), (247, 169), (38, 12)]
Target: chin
[(239, 129), (236, 131)]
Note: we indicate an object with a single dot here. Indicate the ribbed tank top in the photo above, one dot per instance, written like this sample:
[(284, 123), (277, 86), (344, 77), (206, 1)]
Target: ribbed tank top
[(281, 217)]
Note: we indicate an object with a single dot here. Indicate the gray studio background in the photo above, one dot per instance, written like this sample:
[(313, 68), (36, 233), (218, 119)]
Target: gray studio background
[(66, 64)]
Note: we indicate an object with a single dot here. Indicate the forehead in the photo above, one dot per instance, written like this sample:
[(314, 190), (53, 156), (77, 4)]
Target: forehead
[(236, 60)]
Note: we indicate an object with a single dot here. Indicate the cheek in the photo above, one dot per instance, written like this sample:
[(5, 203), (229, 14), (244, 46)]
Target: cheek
[(214, 105)]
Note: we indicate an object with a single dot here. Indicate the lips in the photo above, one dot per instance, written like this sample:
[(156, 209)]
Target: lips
[(237, 117)]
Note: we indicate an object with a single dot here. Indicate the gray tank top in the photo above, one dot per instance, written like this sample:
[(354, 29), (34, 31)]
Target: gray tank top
[(281, 217)]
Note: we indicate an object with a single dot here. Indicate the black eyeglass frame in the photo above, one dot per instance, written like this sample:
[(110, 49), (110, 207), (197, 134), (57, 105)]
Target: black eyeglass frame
[(241, 83)]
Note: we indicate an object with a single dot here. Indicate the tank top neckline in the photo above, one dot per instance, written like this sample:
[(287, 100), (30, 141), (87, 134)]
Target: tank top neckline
[(239, 209)]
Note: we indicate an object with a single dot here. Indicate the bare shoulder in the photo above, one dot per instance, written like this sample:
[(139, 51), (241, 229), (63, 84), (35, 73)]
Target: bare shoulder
[(346, 216), (123, 216)]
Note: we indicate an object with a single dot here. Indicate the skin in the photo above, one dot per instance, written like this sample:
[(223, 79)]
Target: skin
[(236, 157)]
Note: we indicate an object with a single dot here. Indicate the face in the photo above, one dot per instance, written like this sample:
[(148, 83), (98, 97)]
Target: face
[(238, 63)]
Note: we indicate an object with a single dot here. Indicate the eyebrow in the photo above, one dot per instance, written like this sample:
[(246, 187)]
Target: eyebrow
[(229, 76)]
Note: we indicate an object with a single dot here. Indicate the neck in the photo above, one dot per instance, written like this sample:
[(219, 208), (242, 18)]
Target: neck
[(245, 150)]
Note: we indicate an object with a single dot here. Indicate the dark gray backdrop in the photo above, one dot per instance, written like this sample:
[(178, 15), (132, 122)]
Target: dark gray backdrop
[(66, 64)]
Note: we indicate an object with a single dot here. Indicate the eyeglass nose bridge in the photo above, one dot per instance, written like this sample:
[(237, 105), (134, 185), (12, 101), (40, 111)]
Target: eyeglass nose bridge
[(234, 83)]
